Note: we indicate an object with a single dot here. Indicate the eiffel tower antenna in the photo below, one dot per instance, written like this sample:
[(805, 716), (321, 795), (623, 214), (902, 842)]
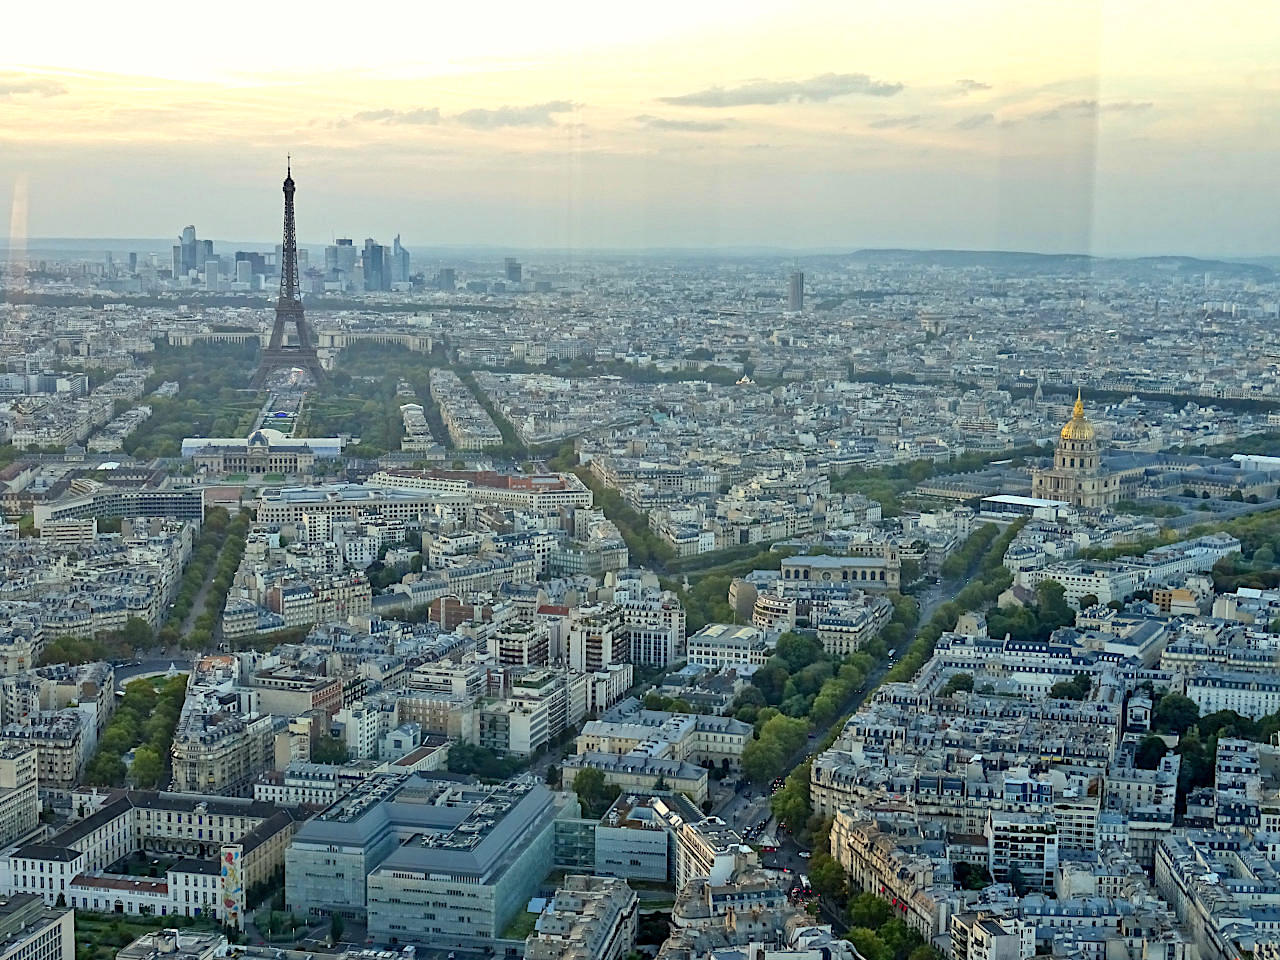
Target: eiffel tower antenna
[(289, 305)]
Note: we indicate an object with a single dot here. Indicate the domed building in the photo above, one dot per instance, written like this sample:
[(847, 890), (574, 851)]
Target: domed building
[(1077, 475), (264, 451)]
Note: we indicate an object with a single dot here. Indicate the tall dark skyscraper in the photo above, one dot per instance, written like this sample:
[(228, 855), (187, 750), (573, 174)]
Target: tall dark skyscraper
[(340, 260), (289, 307), (795, 292), (374, 263), (514, 270), (257, 261), (188, 250), (447, 279), (399, 270)]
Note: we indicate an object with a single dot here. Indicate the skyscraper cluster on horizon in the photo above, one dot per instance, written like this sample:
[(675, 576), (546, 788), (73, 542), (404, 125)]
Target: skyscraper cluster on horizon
[(347, 268)]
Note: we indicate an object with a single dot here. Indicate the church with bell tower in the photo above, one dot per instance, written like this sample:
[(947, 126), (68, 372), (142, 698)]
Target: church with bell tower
[(1077, 475)]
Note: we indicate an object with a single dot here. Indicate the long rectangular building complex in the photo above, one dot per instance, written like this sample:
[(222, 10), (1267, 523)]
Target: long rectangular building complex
[(427, 857)]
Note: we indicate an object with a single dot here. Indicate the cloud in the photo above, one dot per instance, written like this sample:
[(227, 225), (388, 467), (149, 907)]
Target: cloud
[(818, 89), (891, 123), (14, 84), (422, 115), (684, 126), (975, 121), (1070, 110), (1089, 108), (1125, 106), (533, 115), (972, 86)]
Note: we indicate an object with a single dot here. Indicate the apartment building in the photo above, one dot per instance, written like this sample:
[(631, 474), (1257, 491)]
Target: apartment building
[(710, 850), (19, 794), (289, 692), (1022, 845), (63, 741), (595, 638), (895, 868), (655, 628), (590, 918), (31, 930), (304, 784), (726, 645), (1249, 693), (843, 626), (221, 752), (706, 740), (521, 643)]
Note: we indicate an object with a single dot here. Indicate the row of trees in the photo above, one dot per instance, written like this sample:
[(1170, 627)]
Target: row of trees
[(511, 446), (347, 403), (231, 549), (991, 579), (781, 685), (204, 554), (961, 561), (792, 804), (802, 680), (143, 722), (645, 547), (773, 748)]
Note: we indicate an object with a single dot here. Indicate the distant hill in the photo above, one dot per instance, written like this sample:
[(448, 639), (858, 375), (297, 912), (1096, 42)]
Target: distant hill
[(1012, 262)]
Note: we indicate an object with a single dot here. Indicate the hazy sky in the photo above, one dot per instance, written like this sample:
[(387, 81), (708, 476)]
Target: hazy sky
[(1119, 126)]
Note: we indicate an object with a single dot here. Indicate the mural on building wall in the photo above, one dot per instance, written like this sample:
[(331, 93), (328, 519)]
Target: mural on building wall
[(232, 888)]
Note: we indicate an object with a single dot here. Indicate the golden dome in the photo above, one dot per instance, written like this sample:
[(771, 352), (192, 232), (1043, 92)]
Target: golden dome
[(1078, 428)]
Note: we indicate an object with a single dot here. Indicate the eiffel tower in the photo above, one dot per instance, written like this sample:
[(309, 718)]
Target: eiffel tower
[(289, 308)]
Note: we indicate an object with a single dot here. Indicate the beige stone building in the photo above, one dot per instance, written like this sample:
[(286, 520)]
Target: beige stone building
[(222, 753)]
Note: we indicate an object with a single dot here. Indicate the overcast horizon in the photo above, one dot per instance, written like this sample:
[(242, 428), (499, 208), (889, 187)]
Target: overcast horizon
[(162, 246), (1131, 129)]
